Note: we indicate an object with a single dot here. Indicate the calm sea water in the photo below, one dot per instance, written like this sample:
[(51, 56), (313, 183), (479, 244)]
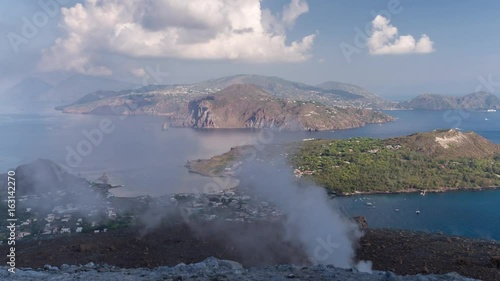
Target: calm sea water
[(147, 160)]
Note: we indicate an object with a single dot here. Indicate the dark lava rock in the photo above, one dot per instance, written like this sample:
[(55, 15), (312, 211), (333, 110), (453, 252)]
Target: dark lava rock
[(361, 221)]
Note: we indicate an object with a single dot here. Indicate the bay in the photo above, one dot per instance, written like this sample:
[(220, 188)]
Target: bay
[(147, 160)]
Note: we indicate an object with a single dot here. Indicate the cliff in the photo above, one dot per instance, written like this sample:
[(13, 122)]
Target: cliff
[(248, 106)]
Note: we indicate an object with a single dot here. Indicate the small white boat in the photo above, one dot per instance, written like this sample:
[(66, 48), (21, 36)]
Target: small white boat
[(396, 210), (369, 204), (491, 110), (417, 212), (486, 119), (423, 192)]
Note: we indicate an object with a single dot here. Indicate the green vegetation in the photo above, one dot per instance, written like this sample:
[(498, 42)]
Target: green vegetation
[(436, 161), (395, 165)]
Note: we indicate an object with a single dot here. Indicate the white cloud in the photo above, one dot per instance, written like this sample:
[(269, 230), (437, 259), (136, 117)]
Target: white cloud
[(196, 29), (385, 40), (292, 11)]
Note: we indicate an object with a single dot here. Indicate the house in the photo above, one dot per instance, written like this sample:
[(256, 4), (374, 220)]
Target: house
[(65, 230), (22, 234), (50, 218), (79, 229), (111, 215)]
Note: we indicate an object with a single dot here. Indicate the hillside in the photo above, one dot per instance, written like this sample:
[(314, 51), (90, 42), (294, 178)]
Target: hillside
[(248, 106), (474, 101), (340, 94), (77, 86), (348, 96), (339, 88), (439, 160), (45, 176), (237, 106)]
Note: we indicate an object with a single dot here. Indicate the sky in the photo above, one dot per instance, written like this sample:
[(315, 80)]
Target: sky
[(395, 48)]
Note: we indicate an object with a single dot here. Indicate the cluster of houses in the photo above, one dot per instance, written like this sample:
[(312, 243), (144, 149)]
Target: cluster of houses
[(226, 205), (69, 218), (62, 223), (229, 205), (63, 219)]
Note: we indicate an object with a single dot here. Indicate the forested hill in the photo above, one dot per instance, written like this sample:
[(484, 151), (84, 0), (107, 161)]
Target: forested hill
[(439, 160)]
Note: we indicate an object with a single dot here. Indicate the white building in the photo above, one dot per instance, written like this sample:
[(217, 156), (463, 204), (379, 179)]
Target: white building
[(65, 230)]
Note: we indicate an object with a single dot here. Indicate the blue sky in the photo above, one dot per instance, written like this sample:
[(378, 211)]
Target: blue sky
[(462, 42)]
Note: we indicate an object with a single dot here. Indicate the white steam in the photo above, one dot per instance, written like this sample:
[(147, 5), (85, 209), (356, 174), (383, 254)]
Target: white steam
[(311, 217)]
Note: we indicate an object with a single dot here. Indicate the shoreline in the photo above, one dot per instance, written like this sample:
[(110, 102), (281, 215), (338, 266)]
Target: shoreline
[(409, 191), (193, 170)]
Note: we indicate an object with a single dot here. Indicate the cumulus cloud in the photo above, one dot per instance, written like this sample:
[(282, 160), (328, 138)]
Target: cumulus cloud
[(197, 29), (386, 40), (293, 11)]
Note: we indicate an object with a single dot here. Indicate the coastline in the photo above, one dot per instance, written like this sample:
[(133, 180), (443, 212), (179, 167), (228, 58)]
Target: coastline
[(440, 190), (191, 167)]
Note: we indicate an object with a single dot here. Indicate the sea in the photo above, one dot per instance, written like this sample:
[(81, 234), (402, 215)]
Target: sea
[(135, 152)]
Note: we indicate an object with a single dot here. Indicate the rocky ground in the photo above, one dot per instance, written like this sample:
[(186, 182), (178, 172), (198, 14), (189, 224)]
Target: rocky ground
[(215, 270), (254, 245), (408, 252)]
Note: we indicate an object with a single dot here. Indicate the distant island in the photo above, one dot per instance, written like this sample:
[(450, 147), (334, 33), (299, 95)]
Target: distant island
[(256, 101), (474, 101), (283, 106), (440, 160)]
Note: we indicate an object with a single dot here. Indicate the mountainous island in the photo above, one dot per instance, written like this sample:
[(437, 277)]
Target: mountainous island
[(248, 106), (440, 160), (279, 104), (474, 101)]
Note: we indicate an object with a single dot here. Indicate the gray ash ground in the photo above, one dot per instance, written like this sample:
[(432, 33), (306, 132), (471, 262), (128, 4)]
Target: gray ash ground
[(215, 270), (172, 243)]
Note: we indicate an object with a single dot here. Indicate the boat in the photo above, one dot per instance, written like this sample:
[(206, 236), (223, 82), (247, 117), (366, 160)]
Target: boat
[(491, 110), (486, 119), (423, 192), (396, 210), (165, 126), (369, 204), (309, 139), (417, 212)]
